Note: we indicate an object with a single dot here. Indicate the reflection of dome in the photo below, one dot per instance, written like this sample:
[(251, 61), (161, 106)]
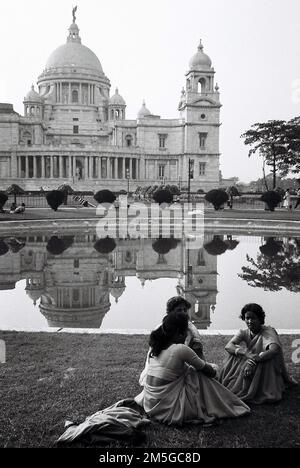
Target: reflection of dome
[(143, 112), (200, 60), (74, 54), (89, 317), (34, 289), (117, 291), (33, 96), (34, 294), (117, 99)]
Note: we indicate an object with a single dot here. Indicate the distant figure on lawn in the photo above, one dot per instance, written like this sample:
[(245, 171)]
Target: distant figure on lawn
[(20, 209), (179, 387), (13, 206), (287, 203), (255, 370)]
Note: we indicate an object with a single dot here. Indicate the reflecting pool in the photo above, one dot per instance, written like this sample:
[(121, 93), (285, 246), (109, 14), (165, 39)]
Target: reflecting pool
[(76, 280)]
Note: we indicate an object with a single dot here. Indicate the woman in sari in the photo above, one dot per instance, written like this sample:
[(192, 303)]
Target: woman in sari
[(255, 370), (179, 387)]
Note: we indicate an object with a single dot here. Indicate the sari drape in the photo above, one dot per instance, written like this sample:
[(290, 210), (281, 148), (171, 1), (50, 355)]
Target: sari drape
[(188, 397), (269, 379)]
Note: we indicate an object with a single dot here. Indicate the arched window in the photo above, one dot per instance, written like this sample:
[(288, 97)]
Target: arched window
[(75, 95), (128, 140), (117, 114), (202, 85), (112, 114)]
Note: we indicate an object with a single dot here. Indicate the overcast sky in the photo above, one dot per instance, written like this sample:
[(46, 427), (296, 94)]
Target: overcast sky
[(145, 47)]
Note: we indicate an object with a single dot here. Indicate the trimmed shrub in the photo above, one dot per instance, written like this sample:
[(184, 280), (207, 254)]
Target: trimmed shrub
[(57, 245), (164, 245), (271, 198), (3, 199), (200, 191), (174, 190), (271, 248), (105, 245), (215, 247), (162, 196), (55, 198), (15, 190), (15, 245), (67, 190), (3, 247), (217, 198), (105, 196), (233, 191)]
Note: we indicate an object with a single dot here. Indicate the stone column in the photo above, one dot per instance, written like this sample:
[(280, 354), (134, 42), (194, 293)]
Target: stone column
[(130, 168), (70, 167), (43, 167), (116, 167), (19, 166), (123, 169), (80, 93), (34, 167), (99, 168), (26, 167), (74, 166), (86, 168), (70, 100), (51, 167), (60, 167)]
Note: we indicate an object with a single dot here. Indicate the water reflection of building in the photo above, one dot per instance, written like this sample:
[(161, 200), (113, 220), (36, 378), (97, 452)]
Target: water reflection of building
[(74, 288)]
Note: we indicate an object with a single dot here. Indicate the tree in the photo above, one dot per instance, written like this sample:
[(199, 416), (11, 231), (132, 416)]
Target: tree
[(271, 198), (105, 245), (55, 198), (105, 196), (278, 143), (276, 267), (67, 190), (15, 190), (3, 200), (217, 198), (163, 196), (57, 245)]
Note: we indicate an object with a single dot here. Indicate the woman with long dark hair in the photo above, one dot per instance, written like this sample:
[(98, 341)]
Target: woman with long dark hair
[(179, 387)]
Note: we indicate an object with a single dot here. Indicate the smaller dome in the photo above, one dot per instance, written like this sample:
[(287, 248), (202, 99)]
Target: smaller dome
[(200, 60), (33, 96), (34, 294), (117, 99), (143, 112)]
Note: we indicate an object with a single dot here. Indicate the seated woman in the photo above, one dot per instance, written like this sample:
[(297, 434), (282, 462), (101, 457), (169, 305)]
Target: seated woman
[(13, 206), (193, 339), (179, 387), (255, 370)]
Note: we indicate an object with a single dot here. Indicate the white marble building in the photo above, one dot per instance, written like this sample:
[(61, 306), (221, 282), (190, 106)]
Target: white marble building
[(73, 131)]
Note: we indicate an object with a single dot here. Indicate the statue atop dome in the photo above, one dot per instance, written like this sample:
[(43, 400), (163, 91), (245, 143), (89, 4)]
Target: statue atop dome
[(73, 13)]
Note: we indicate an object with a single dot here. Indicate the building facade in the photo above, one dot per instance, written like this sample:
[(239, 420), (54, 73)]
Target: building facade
[(74, 132)]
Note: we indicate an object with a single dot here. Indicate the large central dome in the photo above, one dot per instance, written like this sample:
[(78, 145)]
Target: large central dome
[(74, 55)]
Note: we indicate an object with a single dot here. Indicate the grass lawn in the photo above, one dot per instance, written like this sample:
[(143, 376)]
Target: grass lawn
[(51, 377)]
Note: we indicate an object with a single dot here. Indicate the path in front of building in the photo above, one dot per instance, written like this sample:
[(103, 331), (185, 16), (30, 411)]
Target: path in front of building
[(88, 213)]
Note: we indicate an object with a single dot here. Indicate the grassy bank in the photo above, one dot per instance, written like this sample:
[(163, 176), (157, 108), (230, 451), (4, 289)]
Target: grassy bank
[(52, 377)]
